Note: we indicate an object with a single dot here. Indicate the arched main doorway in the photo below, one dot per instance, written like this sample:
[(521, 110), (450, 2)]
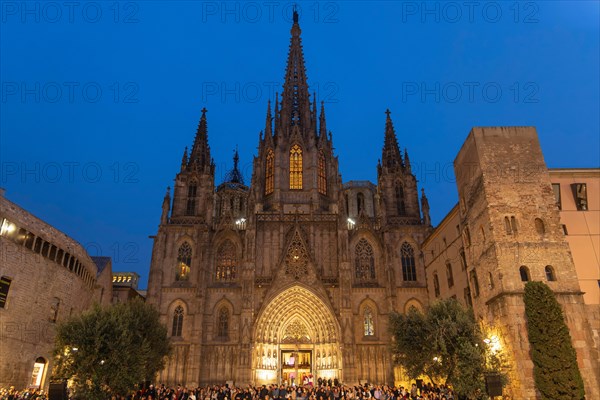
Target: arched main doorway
[(296, 338)]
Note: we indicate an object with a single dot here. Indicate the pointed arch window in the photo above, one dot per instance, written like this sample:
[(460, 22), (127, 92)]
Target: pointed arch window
[(226, 262), (550, 276), (449, 274), (191, 199), (360, 203), (184, 261), (409, 269), (322, 179), (400, 200), (368, 323), (223, 323), (269, 172), (436, 285), (295, 167), (524, 272), (364, 261), (177, 322), (539, 226)]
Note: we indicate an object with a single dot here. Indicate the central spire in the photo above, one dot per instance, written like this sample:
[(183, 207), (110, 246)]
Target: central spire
[(295, 104)]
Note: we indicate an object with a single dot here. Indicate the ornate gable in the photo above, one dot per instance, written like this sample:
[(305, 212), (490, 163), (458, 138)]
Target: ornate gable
[(297, 256)]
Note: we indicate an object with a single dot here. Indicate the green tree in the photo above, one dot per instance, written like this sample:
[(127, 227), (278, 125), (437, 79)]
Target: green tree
[(555, 369), (444, 344), (110, 350)]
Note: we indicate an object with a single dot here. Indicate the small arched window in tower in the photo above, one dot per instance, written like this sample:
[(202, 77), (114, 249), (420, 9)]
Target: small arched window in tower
[(223, 323), (524, 272), (184, 262), (449, 274), (490, 280), (269, 172), (463, 259), (466, 236), (322, 179), (364, 261), (513, 224), (177, 328), (400, 200), (539, 226), (191, 199), (474, 282), (550, 276), (360, 203), (295, 167), (226, 262), (436, 285), (368, 323), (507, 226), (409, 270)]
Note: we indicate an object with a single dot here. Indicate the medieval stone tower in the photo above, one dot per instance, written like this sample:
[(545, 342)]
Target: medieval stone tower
[(294, 275), (512, 233)]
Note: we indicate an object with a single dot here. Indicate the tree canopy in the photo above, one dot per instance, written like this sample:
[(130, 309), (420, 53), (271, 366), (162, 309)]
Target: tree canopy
[(110, 350), (445, 344), (555, 369)]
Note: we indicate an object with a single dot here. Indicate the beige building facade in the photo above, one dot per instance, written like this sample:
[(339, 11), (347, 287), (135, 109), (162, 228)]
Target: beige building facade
[(46, 276), (517, 221)]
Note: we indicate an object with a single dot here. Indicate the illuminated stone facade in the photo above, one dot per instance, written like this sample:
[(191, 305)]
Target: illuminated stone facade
[(46, 277), (297, 273), (296, 266)]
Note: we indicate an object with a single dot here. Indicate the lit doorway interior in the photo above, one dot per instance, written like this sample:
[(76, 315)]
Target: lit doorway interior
[(37, 375), (296, 367)]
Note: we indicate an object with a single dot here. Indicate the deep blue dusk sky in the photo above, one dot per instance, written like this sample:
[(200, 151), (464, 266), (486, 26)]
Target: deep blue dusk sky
[(96, 166)]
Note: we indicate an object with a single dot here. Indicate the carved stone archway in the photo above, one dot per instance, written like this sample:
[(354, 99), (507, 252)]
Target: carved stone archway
[(296, 322)]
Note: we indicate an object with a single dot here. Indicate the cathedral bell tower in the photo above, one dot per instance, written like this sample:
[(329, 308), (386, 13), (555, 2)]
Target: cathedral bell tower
[(396, 183), (194, 184), (295, 168)]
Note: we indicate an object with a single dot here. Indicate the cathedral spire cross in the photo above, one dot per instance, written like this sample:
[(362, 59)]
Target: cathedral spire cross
[(391, 157), (200, 154)]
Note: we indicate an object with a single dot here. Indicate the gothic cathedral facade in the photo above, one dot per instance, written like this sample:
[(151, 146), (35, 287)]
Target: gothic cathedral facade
[(293, 276)]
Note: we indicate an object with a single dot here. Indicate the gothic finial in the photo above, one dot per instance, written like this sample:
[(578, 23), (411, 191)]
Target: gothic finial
[(166, 206), (276, 111), (425, 208), (406, 161), (323, 129), (184, 159), (235, 176), (295, 14), (269, 121)]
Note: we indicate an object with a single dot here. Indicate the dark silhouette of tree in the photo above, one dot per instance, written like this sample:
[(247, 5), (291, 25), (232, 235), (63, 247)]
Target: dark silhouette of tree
[(555, 369)]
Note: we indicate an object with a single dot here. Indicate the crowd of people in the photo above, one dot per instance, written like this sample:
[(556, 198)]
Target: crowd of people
[(28, 394), (323, 391)]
